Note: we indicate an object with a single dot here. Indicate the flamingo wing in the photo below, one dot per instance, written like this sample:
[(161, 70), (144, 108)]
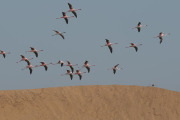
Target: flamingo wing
[(71, 76), (30, 69), (45, 67), (74, 13), (66, 20), (70, 6), (36, 54), (136, 48), (88, 69), (62, 36), (110, 48), (72, 69), (80, 76), (139, 29), (114, 71), (4, 55)]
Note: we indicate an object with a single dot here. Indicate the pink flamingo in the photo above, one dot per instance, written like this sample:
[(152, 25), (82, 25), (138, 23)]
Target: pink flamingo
[(29, 66), (72, 10), (23, 58), (43, 64), (79, 73), (116, 68), (109, 45), (34, 51), (160, 36), (71, 66), (65, 17), (58, 33), (139, 26), (87, 66), (4, 53), (134, 45), (68, 73)]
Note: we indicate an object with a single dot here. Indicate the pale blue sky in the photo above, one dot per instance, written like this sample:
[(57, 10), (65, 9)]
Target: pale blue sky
[(26, 23)]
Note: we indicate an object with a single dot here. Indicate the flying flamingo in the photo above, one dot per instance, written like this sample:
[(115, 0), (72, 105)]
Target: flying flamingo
[(160, 36), (65, 17), (87, 66), (29, 66), (71, 66), (4, 53), (68, 73), (58, 33), (135, 46), (59, 62), (79, 73), (23, 58), (109, 45), (34, 51), (139, 26), (116, 68), (72, 10), (43, 64)]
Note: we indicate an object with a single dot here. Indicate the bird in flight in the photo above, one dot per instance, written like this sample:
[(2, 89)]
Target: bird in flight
[(79, 74), (71, 9), (68, 73), (4, 53), (59, 62), (134, 45), (59, 33), (34, 51), (116, 68), (139, 26), (43, 64), (87, 66), (23, 58), (65, 17), (109, 45), (161, 35), (71, 66), (29, 66)]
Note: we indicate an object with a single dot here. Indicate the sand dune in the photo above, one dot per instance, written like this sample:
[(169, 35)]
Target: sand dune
[(105, 102)]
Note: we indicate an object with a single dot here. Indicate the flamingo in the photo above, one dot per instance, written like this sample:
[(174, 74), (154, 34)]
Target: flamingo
[(135, 46), (59, 62), (58, 33), (43, 64), (4, 53), (34, 51), (29, 66), (23, 58), (72, 10), (87, 66), (68, 73), (79, 74), (116, 68), (71, 66), (139, 26), (65, 17), (160, 36), (109, 45)]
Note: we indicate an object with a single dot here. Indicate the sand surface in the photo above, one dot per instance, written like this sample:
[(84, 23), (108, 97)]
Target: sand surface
[(103, 102)]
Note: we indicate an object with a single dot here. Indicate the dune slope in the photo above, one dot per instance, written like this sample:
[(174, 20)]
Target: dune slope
[(104, 102)]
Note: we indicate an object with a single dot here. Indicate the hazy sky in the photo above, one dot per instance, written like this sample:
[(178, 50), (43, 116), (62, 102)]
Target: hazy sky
[(29, 23)]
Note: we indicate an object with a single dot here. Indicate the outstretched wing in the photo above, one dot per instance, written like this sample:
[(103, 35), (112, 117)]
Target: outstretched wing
[(36, 54), (136, 48), (110, 48), (88, 69), (114, 71), (30, 69), (66, 20), (70, 6), (80, 76), (45, 67), (74, 13)]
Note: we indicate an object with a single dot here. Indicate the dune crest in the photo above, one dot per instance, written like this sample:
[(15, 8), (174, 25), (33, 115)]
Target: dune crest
[(96, 102)]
